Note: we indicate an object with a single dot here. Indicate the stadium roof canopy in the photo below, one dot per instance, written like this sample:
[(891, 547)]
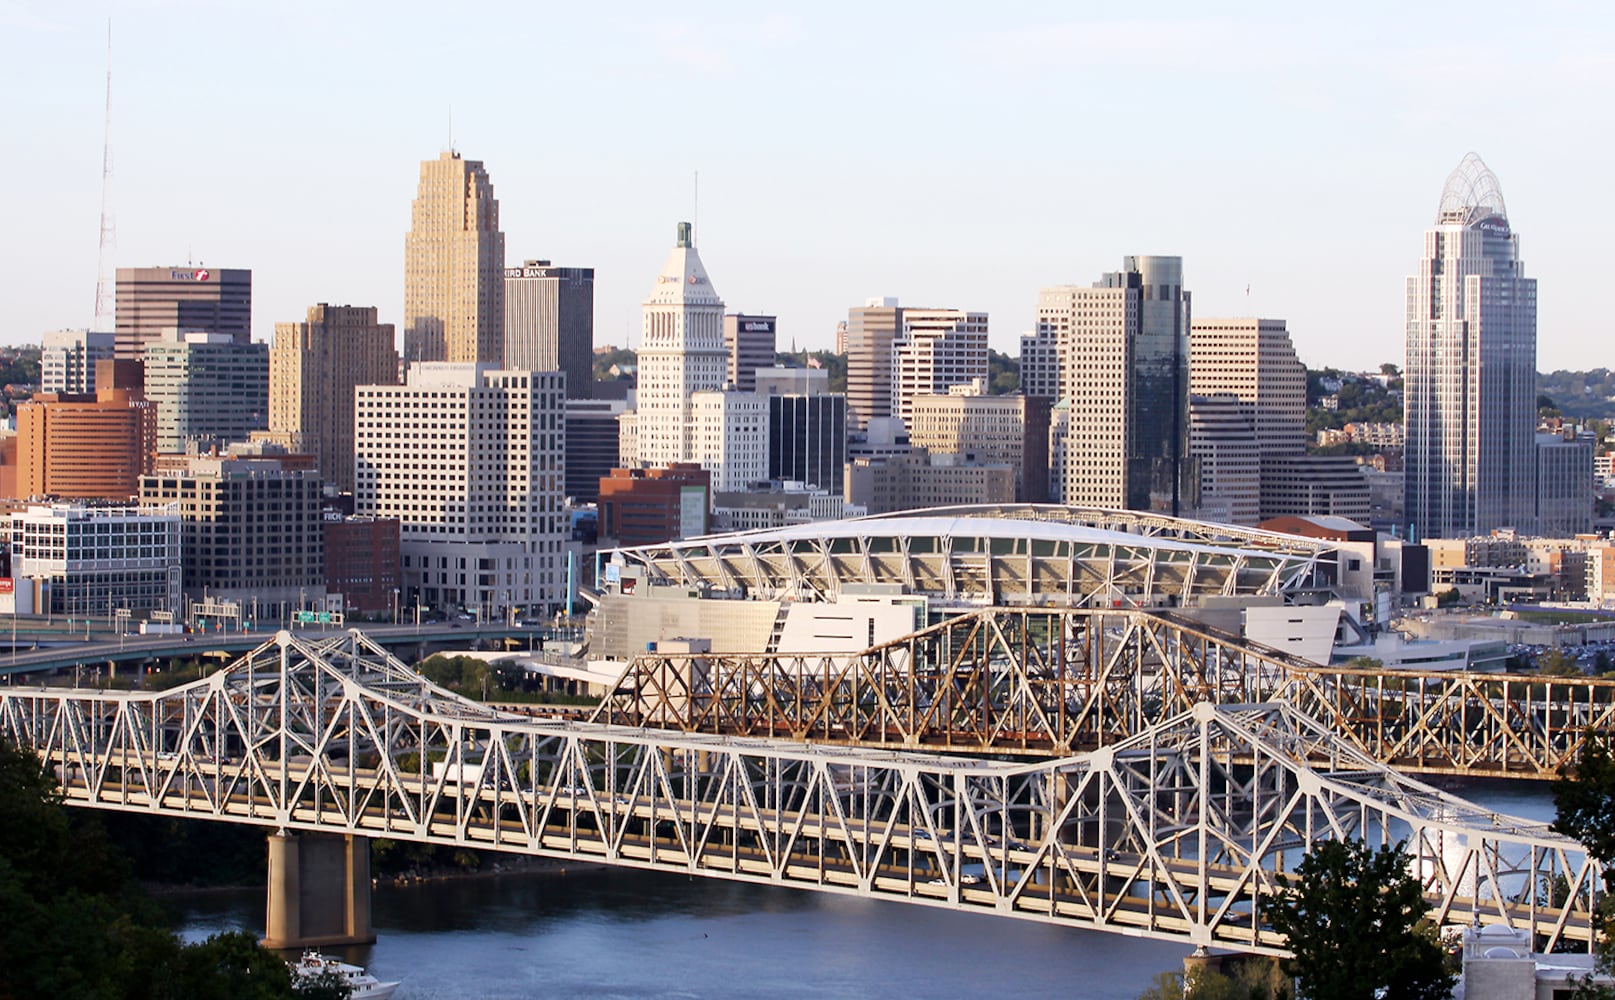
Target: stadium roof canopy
[(992, 555)]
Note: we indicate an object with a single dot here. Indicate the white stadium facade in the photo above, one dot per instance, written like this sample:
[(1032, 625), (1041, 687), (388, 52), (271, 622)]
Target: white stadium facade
[(849, 585)]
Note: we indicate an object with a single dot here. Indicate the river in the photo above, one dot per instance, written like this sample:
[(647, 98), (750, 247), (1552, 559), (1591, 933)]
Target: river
[(619, 934)]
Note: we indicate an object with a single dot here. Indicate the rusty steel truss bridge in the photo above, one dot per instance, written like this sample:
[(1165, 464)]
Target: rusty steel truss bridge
[(1180, 830), (1041, 682)]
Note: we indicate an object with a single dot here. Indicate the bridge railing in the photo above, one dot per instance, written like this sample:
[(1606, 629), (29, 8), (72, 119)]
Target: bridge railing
[(1181, 831), (1056, 681)]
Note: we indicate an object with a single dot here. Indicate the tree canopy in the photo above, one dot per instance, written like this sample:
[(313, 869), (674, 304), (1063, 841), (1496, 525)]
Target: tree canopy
[(1355, 919), (77, 926)]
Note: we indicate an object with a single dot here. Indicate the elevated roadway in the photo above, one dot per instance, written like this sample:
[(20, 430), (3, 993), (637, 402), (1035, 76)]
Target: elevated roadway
[(57, 650), (1180, 832)]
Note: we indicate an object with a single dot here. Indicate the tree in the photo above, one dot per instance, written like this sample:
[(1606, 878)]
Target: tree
[(1355, 919), (1584, 806), (1558, 663), (76, 923)]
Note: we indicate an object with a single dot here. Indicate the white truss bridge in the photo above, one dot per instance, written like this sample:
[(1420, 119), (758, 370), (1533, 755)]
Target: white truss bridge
[(1179, 832)]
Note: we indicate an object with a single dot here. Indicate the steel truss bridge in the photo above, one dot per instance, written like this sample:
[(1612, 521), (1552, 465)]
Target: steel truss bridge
[(1062, 681), (1180, 831)]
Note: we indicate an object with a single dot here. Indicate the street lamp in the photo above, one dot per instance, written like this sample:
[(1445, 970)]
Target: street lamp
[(395, 605)]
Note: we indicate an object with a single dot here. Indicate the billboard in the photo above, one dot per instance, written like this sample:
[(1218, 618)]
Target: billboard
[(692, 511)]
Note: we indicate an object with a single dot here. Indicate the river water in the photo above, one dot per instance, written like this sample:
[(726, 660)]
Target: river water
[(620, 934)]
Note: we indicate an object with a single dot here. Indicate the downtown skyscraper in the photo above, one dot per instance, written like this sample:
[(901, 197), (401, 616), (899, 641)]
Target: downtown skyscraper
[(1123, 347), (681, 353), (1470, 378), (454, 266)]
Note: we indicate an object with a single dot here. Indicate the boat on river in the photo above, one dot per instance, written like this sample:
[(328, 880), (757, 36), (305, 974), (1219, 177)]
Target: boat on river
[(364, 985)]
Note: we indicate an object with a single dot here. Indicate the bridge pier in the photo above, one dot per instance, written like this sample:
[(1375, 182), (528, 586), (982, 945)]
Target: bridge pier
[(319, 891)]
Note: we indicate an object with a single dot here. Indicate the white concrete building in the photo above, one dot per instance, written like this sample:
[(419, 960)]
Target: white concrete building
[(469, 459), (209, 390), (1222, 438), (681, 353), (730, 438), (67, 359), (935, 350), (73, 560), (1124, 358)]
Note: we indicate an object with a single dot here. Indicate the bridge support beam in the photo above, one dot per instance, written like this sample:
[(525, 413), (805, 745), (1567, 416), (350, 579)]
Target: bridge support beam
[(319, 891)]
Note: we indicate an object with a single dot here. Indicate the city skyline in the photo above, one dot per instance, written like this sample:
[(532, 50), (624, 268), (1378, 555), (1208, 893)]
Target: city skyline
[(1305, 193)]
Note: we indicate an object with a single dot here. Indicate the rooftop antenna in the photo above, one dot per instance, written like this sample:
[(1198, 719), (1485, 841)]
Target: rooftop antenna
[(103, 301)]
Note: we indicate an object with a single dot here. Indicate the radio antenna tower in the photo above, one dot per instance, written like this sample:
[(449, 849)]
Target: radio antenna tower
[(103, 293)]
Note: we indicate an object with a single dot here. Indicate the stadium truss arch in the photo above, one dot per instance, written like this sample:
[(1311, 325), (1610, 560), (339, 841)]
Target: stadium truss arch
[(999, 555)]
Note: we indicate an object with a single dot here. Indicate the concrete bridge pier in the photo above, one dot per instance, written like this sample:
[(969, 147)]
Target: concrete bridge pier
[(319, 891)]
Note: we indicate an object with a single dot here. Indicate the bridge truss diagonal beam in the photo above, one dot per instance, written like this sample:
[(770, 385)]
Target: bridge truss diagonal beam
[(1181, 831), (1058, 681)]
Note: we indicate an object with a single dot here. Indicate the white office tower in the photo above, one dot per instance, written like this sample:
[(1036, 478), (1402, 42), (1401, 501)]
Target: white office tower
[(731, 438), (936, 350), (67, 359), (681, 353), (1124, 357), (1470, 378), (1222, 438), (1253, 359), (470, 460)]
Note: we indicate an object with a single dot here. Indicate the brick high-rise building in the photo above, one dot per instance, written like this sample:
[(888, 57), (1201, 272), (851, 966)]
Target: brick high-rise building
[(314, 366), (85, 447), (151, 300), (454, 266)]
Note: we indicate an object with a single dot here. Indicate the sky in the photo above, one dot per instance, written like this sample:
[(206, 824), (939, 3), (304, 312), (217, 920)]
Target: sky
[(951, 155)]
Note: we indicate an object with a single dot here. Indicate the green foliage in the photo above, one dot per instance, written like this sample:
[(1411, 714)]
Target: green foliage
[(1355, 919), (1003, 373), (603, 361), (19, 366), (391, 858), (1558, 663), (1249, 978), (1584, 799), (832, 363), (76, 924), (1584, 806), (1365, 663), (1360, 401), (1580, 395), (1447, 598)]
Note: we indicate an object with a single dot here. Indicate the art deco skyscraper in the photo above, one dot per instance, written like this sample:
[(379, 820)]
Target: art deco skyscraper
[(681, 353), (1470, 379), (454, 266)]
